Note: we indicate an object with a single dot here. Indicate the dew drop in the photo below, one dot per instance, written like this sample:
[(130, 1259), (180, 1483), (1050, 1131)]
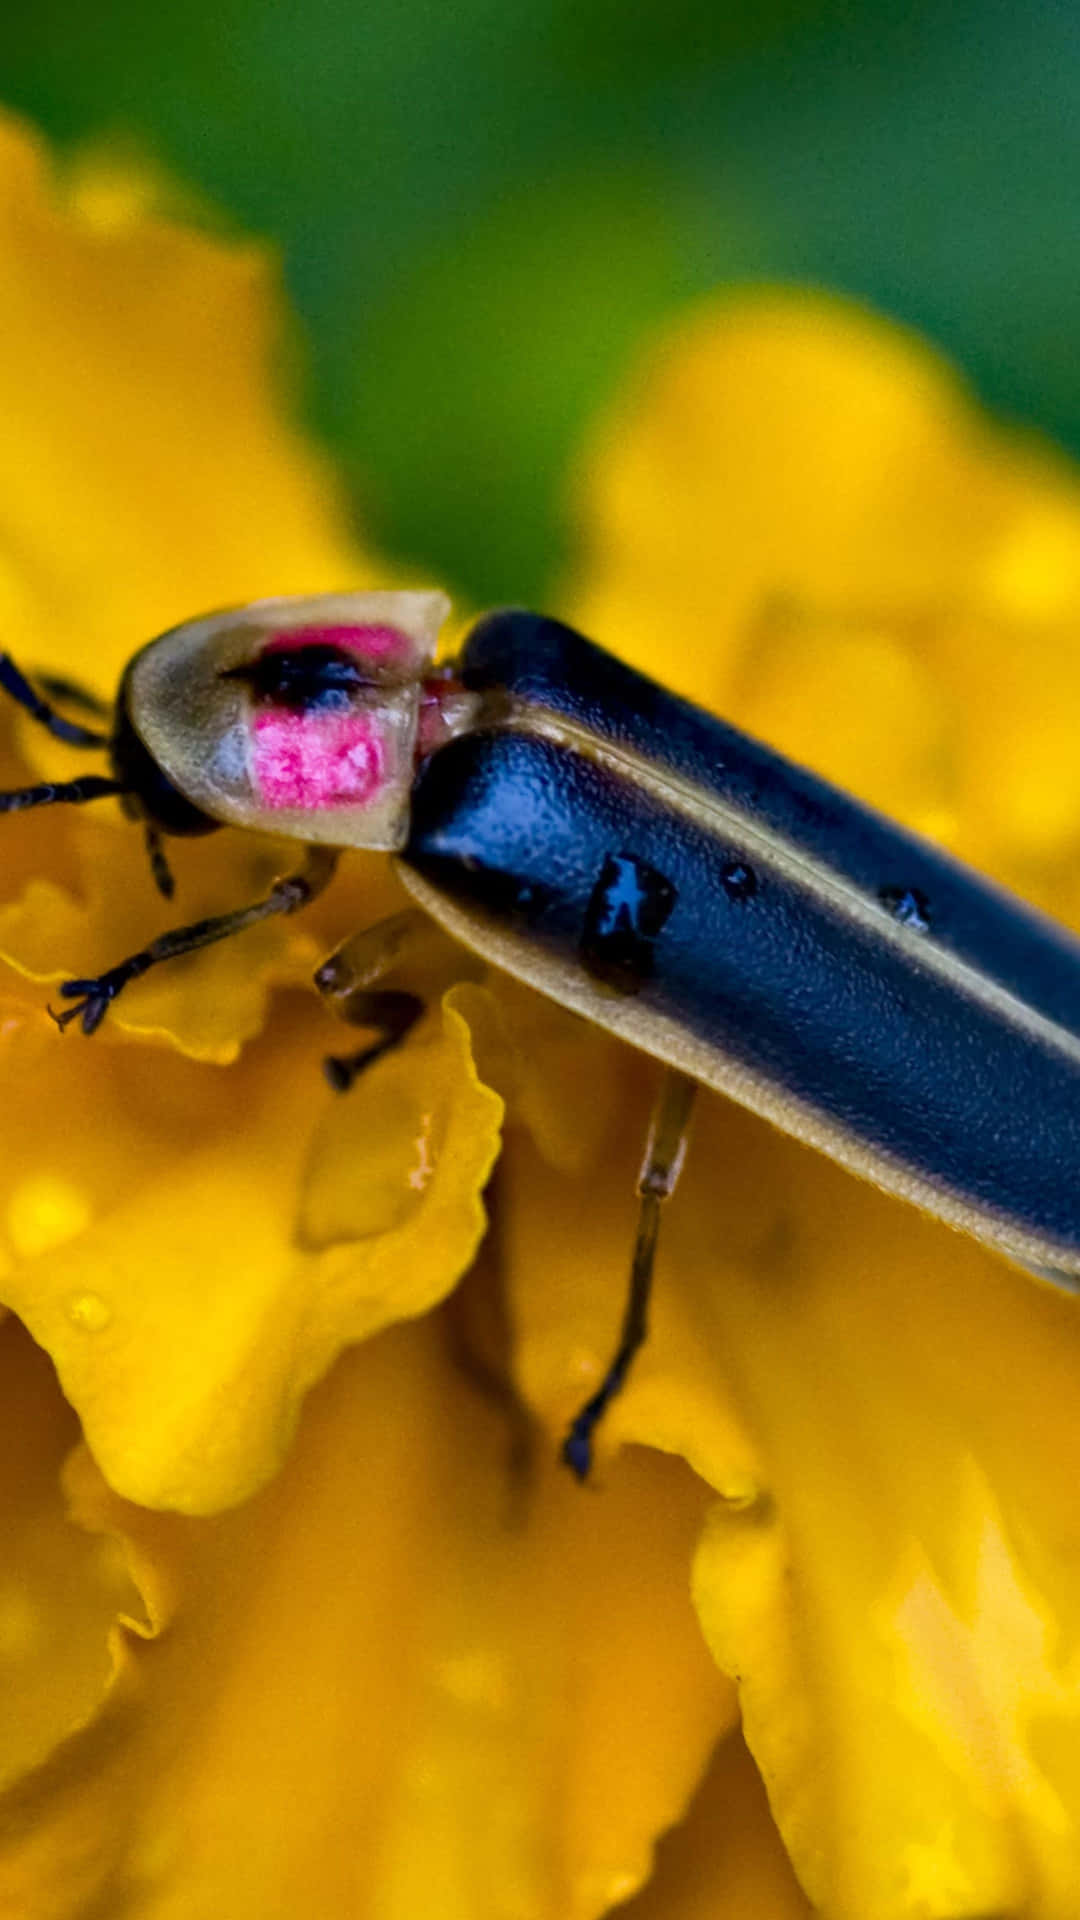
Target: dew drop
[(740, 1492), (372, 1159), (89, 1312), (738, 880), (420, 1173), (44, 1212), (909, 905)]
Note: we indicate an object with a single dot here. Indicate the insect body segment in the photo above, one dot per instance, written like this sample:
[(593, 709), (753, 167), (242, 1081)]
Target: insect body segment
[(776, 972), (300, 717), (638, 860), (315, 742)]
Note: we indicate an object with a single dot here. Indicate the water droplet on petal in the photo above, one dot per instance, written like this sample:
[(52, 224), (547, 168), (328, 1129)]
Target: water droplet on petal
[(44, 1212), (427, 1153), (740, 1492), (89, 1312), (373, 1157)]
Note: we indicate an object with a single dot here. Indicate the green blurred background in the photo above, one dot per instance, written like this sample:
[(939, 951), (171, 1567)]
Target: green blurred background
[(485, 206)]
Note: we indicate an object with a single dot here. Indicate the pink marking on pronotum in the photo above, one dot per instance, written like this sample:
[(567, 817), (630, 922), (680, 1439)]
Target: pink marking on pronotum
[(306, 761), (374, 643)]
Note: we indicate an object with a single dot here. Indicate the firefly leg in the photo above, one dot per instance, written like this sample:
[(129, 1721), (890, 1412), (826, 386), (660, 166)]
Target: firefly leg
[(665, 1151), (345, 981), (14, 683), (390, 1013), (89, 786), (286, 896), (159, 865)]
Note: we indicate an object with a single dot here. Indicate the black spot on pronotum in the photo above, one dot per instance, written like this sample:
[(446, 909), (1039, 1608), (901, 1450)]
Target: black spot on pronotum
[(738, 880), (909, 905), (304, 679), (628, 908)]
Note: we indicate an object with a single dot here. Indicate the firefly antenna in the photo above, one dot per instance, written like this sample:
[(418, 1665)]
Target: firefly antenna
[(14, 682)]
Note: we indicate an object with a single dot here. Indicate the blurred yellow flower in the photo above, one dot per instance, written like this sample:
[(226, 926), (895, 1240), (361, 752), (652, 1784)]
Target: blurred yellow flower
[(308, 1622)]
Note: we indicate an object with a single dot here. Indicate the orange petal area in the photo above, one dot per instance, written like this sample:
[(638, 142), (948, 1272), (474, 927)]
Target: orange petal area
[(314, 1729), (59, 1588), (164, 1252)]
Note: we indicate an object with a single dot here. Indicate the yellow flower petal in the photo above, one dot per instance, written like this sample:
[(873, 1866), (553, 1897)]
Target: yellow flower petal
[(158, 1235), (884, 1410), (146, 474), (539, 1058), (891, 1576), (794, 449), (798, 517), (900, 1599), (200, 1292), (725, 1861), (371, 1693), (853, 696), (195, 1245), (59, 1589), (205, 1005), (144, 467), (504, 1696)]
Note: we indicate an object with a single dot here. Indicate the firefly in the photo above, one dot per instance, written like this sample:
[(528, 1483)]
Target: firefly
[(633, 857)]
